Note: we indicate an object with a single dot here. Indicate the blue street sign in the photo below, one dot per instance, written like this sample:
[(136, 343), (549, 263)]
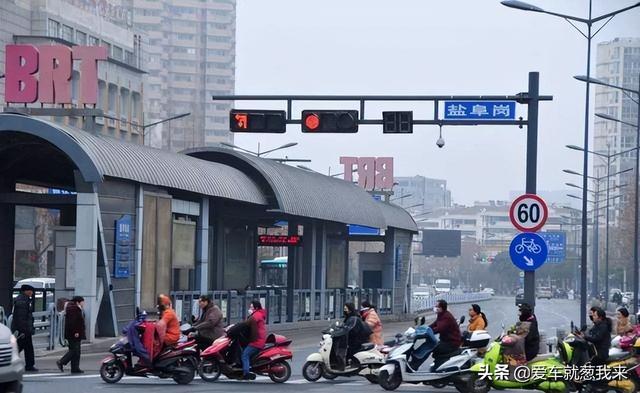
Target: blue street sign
[(479, 110), (122, 259), (557, 245), (362, 230), (528, 251)]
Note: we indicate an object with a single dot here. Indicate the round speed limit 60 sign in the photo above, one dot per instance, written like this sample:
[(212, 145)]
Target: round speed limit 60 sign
[(528, 213)]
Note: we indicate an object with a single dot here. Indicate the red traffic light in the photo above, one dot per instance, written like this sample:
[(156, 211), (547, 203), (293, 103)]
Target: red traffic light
[(312, 121), (330, 121), (259, 121)]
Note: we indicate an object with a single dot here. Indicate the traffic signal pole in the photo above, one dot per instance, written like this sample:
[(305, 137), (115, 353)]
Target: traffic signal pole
[(530, 98)]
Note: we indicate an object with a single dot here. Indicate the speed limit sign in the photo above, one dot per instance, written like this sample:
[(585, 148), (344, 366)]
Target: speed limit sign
[(528, 213)]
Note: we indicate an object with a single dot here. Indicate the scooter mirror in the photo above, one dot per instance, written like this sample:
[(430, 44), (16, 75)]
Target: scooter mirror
[(462, 318)]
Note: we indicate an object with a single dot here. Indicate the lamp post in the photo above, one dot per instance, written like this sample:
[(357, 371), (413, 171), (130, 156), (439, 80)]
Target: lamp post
[(609, 157), (259, 153), (589, 23), (636, 232)]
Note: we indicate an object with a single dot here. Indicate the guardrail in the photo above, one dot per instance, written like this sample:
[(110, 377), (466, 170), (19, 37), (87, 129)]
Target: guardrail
[(309, 305), (48, 327), (423, 303)]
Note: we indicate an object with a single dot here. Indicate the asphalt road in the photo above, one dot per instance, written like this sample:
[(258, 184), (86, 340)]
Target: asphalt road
[(552, 314)]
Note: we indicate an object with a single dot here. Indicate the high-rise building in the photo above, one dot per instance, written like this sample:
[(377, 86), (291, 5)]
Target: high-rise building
[(190, 56), (428, 194), (84, 22), (618, 63)]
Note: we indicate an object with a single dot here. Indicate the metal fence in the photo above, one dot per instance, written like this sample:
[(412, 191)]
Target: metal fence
[(308, 305), (48, 327), (427, 302)]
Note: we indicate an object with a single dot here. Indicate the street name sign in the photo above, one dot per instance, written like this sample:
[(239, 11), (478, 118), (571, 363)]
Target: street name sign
[(556, 243), (480, 110)]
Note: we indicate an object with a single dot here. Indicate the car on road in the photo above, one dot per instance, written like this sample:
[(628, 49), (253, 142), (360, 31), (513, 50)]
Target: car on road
[(490, 291), (544, 293), (11, 365), (519, 297)]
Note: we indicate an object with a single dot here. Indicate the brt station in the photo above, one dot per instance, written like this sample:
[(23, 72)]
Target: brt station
[(132, 221)]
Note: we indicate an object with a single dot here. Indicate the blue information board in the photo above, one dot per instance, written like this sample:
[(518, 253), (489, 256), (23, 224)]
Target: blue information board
[(528, 251), (479, 110), (557, 245), (122, 258)]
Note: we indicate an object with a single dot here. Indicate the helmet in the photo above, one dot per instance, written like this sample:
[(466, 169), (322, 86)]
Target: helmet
[(164, 301)]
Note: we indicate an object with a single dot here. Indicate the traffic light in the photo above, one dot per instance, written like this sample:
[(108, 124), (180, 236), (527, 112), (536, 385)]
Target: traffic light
[(397, 122), (327, 121), (260, 121)]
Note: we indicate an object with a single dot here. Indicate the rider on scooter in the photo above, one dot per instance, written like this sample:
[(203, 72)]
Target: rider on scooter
[(599, 335), (257, 319), (532, 340), (447, 326), (209, 326), (168, 326), (358, 333)]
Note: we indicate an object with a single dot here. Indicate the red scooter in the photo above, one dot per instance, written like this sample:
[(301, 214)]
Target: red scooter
[(271, 361), (179, 362)]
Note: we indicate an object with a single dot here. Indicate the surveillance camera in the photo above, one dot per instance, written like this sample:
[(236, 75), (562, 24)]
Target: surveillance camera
[(440, 142)]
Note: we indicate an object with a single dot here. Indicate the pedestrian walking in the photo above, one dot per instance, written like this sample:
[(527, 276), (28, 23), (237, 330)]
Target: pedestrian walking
[(22, 324), (74, 332)]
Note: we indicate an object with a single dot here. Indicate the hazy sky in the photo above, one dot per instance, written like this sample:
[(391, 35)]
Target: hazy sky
[(425, 47)]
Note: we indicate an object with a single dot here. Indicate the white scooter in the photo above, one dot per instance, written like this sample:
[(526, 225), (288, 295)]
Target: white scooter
[(406, 363), (324, 363)]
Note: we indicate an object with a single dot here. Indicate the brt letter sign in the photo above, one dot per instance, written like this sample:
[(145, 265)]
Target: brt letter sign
[(528, 213)]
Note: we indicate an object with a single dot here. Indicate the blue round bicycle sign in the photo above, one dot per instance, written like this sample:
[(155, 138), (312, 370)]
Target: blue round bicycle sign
[(528, 251)]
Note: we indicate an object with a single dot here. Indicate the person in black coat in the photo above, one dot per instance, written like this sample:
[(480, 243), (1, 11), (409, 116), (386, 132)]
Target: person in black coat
[(74, 332), (358, 333), (599, 335), (22, 323), (532, 340)]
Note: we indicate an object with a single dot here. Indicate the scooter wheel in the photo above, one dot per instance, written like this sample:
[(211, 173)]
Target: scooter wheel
[(390, 381), (312, 371), (112, 372), (209, 370), (184, 372), (280, 372), (477, 385)]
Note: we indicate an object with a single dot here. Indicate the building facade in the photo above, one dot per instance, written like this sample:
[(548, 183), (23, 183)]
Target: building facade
[(618, 63), (427, 193), (82, 22), (189, 51)]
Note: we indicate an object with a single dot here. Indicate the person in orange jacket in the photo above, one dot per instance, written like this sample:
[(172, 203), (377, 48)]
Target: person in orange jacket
[(168, 326), (371, 318)]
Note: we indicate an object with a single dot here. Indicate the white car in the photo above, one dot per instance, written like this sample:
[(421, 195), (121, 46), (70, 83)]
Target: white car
[(11, 364), (490, 291)]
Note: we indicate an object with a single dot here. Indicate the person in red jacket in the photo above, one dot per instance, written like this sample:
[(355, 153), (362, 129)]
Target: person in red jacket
[(74, 332), (447, 326), (257, 322)]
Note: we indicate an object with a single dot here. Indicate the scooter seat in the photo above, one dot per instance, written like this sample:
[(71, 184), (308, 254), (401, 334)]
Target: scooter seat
[(367, 346), (544, 356)]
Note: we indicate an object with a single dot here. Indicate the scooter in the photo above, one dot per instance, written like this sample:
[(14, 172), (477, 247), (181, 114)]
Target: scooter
[(483, 376), (325, 362), (577, 351), (179, 362), (406, 363), (270, 361)]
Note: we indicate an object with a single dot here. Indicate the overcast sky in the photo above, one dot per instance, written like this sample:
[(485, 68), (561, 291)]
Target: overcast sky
[(425, 47)]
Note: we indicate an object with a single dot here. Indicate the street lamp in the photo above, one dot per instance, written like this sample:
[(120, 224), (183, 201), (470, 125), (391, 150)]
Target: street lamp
[(145, 126), (636, 258), (589, 23), (259, 153)]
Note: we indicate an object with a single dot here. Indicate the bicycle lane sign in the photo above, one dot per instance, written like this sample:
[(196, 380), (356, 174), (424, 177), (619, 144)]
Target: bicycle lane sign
[(528, 251)]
